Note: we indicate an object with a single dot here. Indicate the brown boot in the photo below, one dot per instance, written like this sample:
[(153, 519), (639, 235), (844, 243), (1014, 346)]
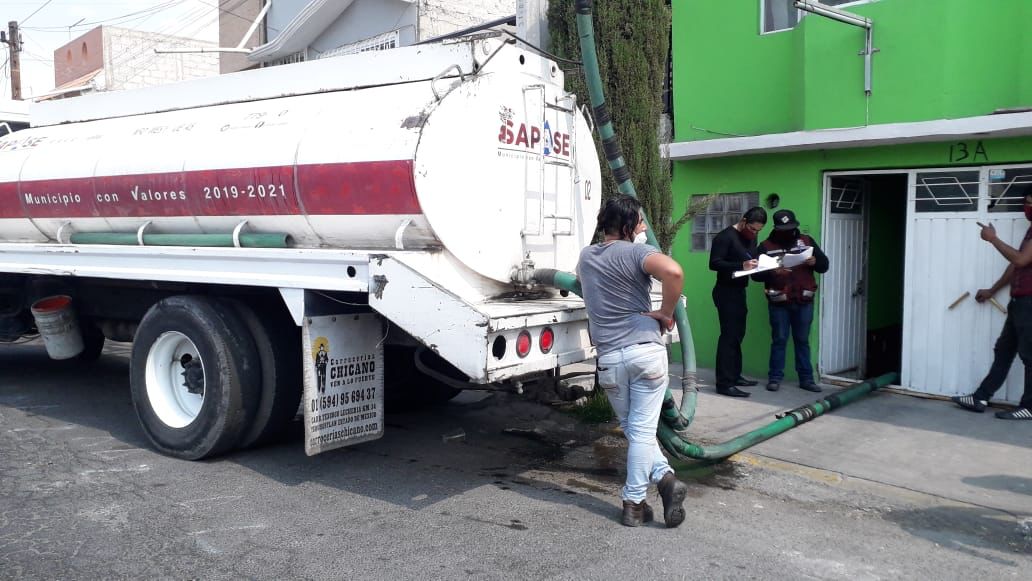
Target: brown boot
[(646, 512), (633, 513), (673, 492)]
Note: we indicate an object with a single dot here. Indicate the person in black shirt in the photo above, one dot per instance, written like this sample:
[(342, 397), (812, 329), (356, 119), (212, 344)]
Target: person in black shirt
[(734, 248)]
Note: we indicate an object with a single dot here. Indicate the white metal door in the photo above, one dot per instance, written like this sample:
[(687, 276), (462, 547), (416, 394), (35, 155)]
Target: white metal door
[(947, 351), (843, 298)]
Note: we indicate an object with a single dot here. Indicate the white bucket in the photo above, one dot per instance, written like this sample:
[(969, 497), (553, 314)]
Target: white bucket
[(58, 325)]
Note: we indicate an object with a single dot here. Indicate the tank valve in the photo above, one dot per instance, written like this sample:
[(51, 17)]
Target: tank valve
[(523, 276)]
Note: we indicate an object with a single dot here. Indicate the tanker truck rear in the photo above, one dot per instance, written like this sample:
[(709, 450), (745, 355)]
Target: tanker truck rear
[(315, 233)]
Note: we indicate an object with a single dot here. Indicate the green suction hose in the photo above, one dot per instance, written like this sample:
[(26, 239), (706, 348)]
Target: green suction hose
[(673, 421), (685, 450), (248, 240), (677, 418)]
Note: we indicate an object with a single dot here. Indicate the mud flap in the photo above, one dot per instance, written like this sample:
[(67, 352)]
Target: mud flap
[(343, 374)]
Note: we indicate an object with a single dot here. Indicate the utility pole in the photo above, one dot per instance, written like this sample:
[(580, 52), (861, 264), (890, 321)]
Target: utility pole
[(532, 22), (13, 41)]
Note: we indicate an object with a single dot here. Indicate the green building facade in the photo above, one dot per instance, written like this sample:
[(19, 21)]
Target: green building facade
[(770, 107)]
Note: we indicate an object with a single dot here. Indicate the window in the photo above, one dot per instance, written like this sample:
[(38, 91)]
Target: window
[(385, 41), (778, 15), (725, 210), (949, 191), (297, 57), (847, 196), (1008, 188)]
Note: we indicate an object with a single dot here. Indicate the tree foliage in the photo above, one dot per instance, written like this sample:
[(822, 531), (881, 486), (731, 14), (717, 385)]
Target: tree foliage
[(632, 39)]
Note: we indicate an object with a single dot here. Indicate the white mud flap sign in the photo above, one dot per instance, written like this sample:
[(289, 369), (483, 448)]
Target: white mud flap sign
[(343, 381)]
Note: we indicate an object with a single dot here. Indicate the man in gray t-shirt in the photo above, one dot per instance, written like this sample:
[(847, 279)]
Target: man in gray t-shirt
[(616, 276)]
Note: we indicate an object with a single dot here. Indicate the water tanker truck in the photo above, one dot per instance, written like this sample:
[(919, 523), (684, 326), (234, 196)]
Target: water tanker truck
[(310, 235)]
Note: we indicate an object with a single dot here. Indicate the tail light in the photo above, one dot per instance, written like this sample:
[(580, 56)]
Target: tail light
[(547, 340), (523, 344)]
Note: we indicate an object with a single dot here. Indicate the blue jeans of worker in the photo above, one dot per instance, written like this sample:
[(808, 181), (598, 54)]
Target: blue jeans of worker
[(635, 380), (791, 318)]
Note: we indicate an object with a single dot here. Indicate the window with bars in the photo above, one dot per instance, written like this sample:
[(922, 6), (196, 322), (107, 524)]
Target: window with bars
[(385, 41), (946, 191), (847, 196), (297, 57), (1008, 188), (778, 15), (725, 210)]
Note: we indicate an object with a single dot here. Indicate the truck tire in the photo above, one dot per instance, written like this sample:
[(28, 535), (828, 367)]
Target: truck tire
[(93, 343), (407, 388), (278, 344), (194, 375)]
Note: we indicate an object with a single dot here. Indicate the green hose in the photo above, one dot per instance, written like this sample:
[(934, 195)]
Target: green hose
[(685, 450), (677, 418), (674, 422), (206, 240)]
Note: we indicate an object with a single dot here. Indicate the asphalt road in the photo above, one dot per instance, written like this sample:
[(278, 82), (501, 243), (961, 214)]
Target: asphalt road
[(82, 496)]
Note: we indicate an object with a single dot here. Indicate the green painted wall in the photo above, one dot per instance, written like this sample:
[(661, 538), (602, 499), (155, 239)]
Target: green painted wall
[(797, 179), (938, 59)]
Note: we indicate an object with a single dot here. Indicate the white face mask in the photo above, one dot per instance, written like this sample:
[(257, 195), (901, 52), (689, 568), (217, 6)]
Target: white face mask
[(641, 238)]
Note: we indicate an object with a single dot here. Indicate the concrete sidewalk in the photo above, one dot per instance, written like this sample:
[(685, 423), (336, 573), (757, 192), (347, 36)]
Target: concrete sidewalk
[(925, 445)]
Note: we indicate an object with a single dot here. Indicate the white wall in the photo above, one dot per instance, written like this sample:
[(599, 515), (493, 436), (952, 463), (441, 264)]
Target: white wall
[(368, 18), (438, 17), (130, 61)]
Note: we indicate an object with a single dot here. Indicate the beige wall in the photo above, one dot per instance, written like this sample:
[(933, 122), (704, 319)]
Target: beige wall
[(79, 57), (235, 18)]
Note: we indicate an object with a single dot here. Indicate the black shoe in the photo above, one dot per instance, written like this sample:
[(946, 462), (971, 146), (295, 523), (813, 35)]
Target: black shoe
[(969, 403), (673, 492), (732, 392), (1016, 414), (633, 514), (810, 386), (773, 386), (742, 381)]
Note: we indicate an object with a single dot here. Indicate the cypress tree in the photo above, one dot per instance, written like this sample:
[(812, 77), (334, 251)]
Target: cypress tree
[(633, 40)]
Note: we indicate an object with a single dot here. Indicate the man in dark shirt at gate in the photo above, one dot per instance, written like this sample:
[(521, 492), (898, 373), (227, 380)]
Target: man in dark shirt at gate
[(734, 248), (1016, 337)]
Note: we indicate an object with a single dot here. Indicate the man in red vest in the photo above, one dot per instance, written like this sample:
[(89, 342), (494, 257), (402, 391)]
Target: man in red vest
[(790, 293), (1016, 337)]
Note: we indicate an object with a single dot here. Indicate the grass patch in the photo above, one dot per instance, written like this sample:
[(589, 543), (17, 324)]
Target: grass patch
[(596, 411)]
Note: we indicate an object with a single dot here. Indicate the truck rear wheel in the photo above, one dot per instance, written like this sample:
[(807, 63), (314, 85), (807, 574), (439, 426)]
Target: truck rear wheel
[(195, 377), (407, 388), (278, 344)]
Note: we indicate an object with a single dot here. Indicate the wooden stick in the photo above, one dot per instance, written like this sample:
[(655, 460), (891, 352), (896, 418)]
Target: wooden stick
[(998, 306), (960, 298)]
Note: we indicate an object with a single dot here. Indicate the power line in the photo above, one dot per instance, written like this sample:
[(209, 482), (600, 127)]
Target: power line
[(152, 9), (44, 5)]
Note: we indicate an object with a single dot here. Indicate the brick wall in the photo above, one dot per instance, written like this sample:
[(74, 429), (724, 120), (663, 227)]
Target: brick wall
[(130, 61)]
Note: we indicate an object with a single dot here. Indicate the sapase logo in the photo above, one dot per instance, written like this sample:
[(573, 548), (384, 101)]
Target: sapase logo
[(532, 137)]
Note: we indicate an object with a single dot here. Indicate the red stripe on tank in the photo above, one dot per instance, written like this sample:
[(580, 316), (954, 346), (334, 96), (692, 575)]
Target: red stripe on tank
[(360, 188)]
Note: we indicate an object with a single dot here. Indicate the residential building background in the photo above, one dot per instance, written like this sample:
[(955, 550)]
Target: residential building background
[(891, 183), (109, 58)]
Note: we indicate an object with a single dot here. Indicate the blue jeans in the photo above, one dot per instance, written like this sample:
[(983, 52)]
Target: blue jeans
[(796, 318), (635, 379)]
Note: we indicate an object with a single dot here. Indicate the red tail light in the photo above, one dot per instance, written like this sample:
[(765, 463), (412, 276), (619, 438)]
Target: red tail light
[(547, 340), (523, 343)]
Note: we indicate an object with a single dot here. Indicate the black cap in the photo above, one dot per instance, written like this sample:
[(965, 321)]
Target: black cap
[(785, 220)]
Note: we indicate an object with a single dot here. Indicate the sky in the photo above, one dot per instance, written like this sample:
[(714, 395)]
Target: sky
[(47, 25)]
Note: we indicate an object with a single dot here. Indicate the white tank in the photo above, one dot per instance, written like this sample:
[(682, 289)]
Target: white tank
[(366, 151)]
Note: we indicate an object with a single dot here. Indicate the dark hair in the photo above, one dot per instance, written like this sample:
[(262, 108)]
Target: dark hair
[(756, 215), (619, 216)]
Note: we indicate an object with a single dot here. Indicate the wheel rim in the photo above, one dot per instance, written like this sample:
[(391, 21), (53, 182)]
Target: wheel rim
[(175, 379)]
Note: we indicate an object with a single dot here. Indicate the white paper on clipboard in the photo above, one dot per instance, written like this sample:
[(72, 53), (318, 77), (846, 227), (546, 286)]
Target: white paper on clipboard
[(763, 263), (790, 260)]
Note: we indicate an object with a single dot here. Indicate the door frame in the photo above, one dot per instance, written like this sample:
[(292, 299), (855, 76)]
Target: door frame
[(911, 173), (825, 223)]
